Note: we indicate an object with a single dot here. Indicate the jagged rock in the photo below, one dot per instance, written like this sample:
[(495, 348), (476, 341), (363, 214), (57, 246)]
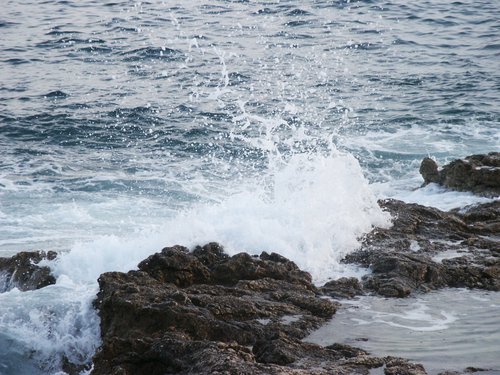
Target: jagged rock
[(429, 171), (280, 350), (407, 256), (345, 287), (347, 351), (21, 271), (398, 366), (203, 312), (176, 265), (484, 218), (202, 295), (476, 173)]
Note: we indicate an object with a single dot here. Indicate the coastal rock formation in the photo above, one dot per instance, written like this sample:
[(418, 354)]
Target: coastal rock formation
[(479, 174), (22, 271), (203, 312), (428, 249)]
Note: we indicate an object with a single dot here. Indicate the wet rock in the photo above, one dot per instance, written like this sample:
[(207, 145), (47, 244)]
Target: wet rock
[(175, 265), (280, 350), (204, 312), (483, 218), (23, 272), (398, 366), (429, 171), (347, 351), (343, 288), (472, 369), (428, 249), (479, 174), (74, 369)]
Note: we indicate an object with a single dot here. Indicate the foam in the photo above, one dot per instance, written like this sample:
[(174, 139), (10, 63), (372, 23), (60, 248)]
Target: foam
[(436, 196), (52, 322), (417, 318), (314, 212)]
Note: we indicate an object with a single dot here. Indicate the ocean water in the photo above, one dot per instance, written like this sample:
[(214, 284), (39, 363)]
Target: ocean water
[(439, 329), (264, 125)]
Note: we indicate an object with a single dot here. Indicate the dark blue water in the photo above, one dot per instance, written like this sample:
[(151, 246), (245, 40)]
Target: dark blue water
[(128, 126)]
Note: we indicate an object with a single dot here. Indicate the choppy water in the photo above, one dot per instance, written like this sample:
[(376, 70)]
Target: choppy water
[(128, 126)]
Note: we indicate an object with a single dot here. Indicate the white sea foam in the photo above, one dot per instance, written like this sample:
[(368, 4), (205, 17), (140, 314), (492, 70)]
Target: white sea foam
[(433, 140), (52, 322), (436, 196), (314, 213), (417, 318)]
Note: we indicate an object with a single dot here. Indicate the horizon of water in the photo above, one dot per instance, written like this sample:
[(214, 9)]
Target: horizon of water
[(126, 127)]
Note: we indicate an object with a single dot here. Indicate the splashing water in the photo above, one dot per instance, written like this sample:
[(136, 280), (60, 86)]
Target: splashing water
[(313, 209), (146, 125)]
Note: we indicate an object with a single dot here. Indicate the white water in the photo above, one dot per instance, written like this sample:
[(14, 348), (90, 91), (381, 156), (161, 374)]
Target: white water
[(313, 212), (310, 206), (39, 327)]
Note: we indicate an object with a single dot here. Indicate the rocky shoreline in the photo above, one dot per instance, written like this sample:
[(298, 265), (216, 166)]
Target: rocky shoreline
[(201, 311)]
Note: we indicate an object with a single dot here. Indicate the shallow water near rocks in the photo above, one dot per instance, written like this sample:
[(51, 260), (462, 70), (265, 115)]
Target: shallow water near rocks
[(450, 329)]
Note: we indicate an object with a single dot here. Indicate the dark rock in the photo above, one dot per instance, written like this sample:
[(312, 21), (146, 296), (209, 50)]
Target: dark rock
[(204, 312), (210, 254), (203, 296), (429, 171), (345, 287), (405, 257), (245, 267), (475, 369), (484, 218), (479, 174), (71, 368), (21, 271), (175, 265), (280, 350), (347, 351), (398, 366)]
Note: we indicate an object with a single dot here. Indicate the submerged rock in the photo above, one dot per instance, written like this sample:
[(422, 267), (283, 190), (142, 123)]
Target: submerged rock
[(428, 249), (479, 174), (203, 312), (23, 272)]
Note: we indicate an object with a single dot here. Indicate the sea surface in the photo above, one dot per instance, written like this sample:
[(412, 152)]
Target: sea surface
[(264, 125)]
